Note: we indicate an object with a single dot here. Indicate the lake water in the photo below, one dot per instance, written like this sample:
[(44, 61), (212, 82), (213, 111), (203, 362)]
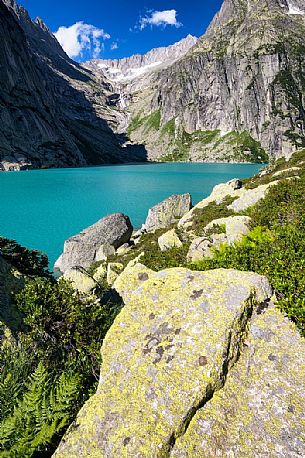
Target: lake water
[(42, 208)]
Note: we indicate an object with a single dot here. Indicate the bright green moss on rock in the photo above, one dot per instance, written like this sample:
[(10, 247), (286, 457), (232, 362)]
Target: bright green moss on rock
[(168, 350)]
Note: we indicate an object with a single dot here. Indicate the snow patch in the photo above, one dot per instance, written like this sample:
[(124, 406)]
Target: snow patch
[(223, 132), (140, 71), (114, 71), (294, 9), (116, 74)]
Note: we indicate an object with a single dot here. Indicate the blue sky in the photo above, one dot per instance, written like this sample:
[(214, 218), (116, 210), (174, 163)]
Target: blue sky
[(118, 28)]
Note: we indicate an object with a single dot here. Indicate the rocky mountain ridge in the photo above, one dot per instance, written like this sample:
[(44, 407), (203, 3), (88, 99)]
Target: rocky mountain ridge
[(234, 95), (237, 92), (138, 65), (54, 112)]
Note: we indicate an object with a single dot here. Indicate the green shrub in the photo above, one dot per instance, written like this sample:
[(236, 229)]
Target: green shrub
[(28, 262), (51, 367), (159, 260), (63, 323), (275, 248)]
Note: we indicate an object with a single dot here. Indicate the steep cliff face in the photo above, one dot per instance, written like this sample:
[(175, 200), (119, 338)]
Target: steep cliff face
[(245, 75), (53, 112), (130, 78), (236, 94)]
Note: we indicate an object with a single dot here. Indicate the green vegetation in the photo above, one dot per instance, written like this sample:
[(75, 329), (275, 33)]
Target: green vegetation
[(135, 123), (159, 260), (153, 121), (169, 128), (236, 146), (275, 247), (149, 122), (27, 262), (215, 229), (50, 366), (211, 212), (244, 146)]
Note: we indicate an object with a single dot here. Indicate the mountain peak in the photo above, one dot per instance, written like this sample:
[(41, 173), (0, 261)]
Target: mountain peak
[(240, 8), (12, 5), (42, 24), (137, 65)]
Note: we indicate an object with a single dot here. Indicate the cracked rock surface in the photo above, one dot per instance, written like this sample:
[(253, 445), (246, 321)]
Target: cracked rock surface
[(260, 410), (168, 351)]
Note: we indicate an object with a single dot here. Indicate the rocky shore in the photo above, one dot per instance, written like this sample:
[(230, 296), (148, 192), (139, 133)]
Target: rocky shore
[(196, 363)]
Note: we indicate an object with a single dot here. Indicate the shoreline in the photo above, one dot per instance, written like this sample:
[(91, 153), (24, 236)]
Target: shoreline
[(263, 164)]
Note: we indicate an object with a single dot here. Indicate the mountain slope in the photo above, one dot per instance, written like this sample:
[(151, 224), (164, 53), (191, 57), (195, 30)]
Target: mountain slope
[(236, 94), (132, 75), (53, 112), (239, 91), (129, 68)]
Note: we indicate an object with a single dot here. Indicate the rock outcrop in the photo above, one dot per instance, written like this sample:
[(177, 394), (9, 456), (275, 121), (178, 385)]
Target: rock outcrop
[(167, 212), (169, 350), (81, 249), (217, 232), (243, 198), (236, 94), (54, 113), (135, 73), (260, 410), (234, 227)]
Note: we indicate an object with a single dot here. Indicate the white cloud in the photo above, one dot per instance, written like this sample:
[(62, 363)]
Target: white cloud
[(114, 46), (160, 18), (81, 37)]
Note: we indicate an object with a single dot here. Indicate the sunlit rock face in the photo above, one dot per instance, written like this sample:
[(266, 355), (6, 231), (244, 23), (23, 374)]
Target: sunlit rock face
[(243, 75)]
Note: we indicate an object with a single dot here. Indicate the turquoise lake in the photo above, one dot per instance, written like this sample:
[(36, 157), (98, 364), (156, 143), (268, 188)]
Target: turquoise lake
[(42, 208)]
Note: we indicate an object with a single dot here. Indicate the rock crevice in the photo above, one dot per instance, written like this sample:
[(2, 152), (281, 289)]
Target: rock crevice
[(235, 342), (167, 353)]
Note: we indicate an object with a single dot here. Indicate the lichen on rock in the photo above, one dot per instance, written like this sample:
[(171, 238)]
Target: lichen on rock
[(260, 410), (167, 352), (234, 227), (81, 280), (169, 240), (167, 212)]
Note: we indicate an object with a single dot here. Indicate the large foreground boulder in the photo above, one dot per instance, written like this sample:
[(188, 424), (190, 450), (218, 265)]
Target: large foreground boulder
[(167, 212), (81, 250), (167, 352), (260, 412)]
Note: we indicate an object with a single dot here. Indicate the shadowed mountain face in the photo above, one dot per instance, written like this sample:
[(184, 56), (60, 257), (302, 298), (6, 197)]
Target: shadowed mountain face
[(53, 112), (236, 94)]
